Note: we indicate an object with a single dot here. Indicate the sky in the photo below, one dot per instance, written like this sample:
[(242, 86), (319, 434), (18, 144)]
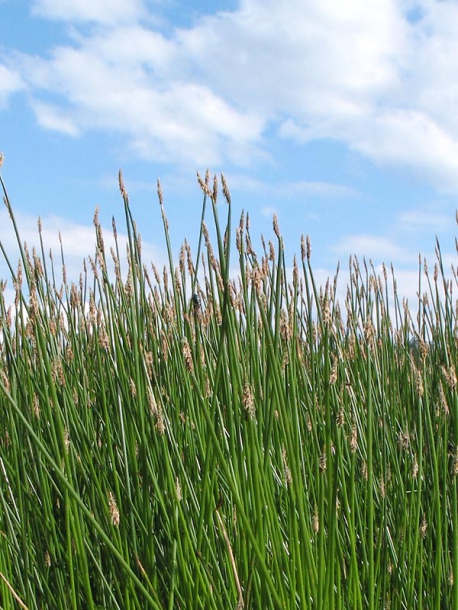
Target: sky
[(339, 117)]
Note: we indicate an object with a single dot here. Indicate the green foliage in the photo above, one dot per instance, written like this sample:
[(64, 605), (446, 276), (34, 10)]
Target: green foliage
[(186, 440)]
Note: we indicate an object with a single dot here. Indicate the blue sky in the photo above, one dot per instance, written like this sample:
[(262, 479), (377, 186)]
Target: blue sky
[(340, 117)]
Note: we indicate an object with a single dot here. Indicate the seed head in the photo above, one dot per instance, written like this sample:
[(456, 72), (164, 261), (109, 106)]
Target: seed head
[(316, 521), (178, 489), (415, 467), (159, 192), (114, 511), (275, 226), (226, 192), (248, 400), (122, 188), (286, 468), (423, 527), (187, 355), (215, 189)]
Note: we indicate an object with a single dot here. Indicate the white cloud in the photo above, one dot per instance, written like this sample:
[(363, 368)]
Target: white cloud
[(377, 248), (430, 218), (315, 189), (10, 82), (292, 188), (292, 57), (54, 118), (102, 88), (411, 138), (136, 46), (268, 211), (358, 72), (101, 11)]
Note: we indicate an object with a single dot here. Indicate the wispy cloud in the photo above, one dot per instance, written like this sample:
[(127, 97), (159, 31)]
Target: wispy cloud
[(290, 189), (378, 248), (54, 118), (431, 218), (268, 211), (99, 11), (10, 82)]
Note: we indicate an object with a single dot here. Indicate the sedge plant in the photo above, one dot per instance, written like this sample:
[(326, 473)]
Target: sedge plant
[(195, 437)]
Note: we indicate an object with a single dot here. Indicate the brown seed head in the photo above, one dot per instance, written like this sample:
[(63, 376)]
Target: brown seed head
[(275, 226), (226, 192), (114, 511), (423, 527), (122, 188), (215, 189), (187, 355), (159, 192), (286, 468), (248, 400)]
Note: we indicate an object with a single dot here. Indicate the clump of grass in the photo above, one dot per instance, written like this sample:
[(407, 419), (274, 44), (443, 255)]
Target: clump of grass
[(184, 439)]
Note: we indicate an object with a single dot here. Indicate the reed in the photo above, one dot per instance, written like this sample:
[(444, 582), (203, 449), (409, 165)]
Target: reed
[(192, 439)]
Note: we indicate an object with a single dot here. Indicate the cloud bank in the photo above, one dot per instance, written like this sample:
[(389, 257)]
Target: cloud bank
[(378, 76)]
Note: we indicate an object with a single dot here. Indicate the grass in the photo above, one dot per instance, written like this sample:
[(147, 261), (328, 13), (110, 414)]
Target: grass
[(184, 439)]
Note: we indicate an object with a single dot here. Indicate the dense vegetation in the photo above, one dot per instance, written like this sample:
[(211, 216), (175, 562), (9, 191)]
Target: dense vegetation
[(183, 439)]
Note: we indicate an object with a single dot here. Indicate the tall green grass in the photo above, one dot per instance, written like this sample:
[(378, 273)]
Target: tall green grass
[(198, 438)]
